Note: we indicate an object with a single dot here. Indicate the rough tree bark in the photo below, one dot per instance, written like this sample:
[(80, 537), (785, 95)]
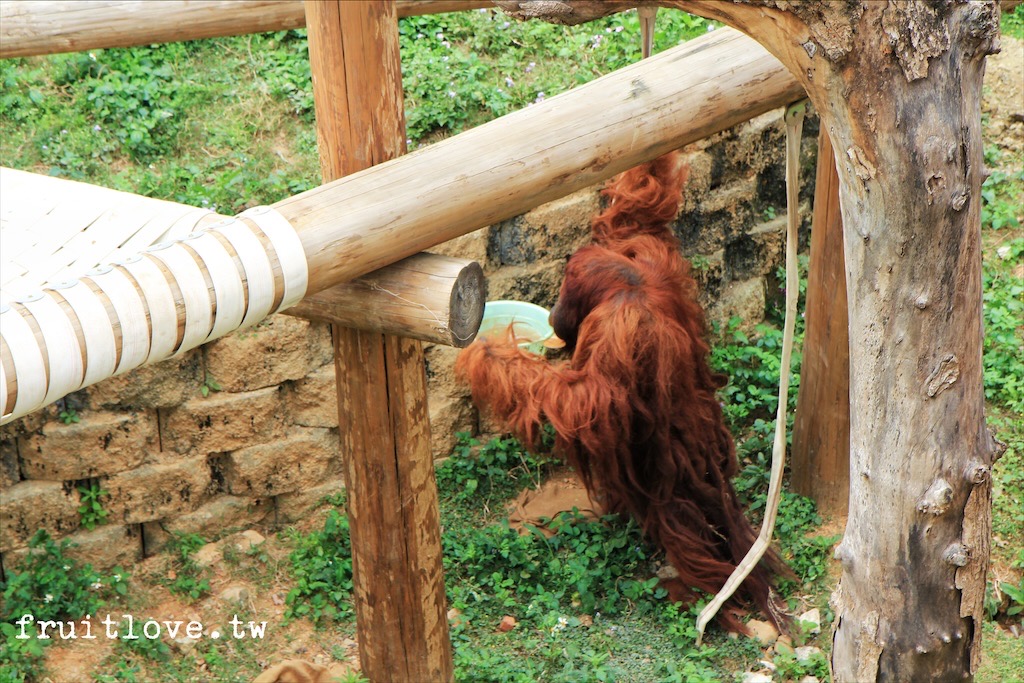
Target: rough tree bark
[(898, 88)]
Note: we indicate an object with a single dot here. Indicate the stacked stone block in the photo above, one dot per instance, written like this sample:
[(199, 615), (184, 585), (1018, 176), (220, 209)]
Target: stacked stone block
[(171, 459)]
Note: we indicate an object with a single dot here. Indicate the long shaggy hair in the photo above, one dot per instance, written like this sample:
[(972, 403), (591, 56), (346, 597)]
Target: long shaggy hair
[(635, 409)]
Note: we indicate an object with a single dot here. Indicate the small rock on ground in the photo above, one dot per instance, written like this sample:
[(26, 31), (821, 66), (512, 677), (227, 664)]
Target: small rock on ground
[(805, 654), (455, 618), (811, 621), (208, 555), (235, 594), (184, 645), (784, 645), (765, 632)]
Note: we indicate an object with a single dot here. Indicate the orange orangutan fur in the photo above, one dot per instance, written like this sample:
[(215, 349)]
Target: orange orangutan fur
[(635, 409)]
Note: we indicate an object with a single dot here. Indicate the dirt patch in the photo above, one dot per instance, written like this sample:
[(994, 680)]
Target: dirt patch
[(561, 493), (1003, 98)]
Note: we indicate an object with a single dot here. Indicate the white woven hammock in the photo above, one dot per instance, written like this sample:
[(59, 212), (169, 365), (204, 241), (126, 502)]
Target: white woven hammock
[(96, 282)]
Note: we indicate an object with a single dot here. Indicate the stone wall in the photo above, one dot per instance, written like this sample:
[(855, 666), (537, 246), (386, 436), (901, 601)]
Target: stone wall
[(264, 447)]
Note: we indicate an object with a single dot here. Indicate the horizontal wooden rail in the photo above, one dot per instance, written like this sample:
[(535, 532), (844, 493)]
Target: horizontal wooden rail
[(501, 169), (428, 297), (40, 27)]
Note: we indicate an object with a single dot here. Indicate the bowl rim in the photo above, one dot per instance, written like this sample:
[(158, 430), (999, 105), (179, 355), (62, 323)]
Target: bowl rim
[(548, 330)]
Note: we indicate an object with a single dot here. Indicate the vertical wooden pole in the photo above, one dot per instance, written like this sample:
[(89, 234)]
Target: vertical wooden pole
[(382, 402), (821, 431)]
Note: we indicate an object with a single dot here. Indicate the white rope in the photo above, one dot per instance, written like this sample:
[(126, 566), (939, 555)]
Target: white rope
[(181, 264), (29, 367), (794, 127), (259, 276), (290, 253), (3, 390), (131, 315), (227, 282), (163, 314)]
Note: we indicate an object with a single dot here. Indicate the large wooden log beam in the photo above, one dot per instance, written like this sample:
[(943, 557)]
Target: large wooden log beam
[(40, 27), (503, 168), (428, 297)]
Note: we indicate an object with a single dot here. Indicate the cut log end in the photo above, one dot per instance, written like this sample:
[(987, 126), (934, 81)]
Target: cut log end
[(466, 306)]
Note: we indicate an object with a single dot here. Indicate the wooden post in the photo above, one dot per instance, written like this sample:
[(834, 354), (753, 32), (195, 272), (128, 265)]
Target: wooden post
[(821, 431), (382, 401)]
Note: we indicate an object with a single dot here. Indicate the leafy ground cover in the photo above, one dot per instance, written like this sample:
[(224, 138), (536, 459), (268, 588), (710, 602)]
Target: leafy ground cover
[(227, 124)]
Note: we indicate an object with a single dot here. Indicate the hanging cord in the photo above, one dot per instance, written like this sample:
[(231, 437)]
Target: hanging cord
[(794, 127)]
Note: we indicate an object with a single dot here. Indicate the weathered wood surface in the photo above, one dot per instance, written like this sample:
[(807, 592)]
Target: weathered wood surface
[(898, 88), (429, 297), (382, 394), (39, 27), (510, 165), (821, 430)]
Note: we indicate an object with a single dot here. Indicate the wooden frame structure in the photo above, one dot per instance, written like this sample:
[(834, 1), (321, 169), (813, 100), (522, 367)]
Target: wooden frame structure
[(365, 221), (356, 229)]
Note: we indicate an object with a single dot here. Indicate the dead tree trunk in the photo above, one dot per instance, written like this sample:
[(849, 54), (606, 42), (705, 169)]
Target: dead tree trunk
[(898, 86)]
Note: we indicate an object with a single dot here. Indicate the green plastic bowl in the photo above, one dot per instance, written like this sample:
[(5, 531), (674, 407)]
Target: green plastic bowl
[(529, 320)]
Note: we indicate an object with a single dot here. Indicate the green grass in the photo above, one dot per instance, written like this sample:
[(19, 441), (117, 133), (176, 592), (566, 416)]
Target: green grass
[(48, 585), (227, 123), (1003, 357), (1003, 368), (321, 568), (190, 581), (585, 600), (1012, 23), (188, 122), (1003, 654), (1003, 290)]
